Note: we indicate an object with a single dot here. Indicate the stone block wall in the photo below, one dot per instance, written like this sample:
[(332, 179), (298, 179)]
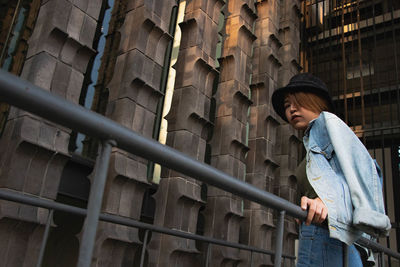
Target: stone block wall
[(178, 198), (247, 139), (290, 147), (33, 152), (134, 91), (261, 162), (224, 211)]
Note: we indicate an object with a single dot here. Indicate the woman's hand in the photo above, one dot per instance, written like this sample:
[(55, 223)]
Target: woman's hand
[(317, 211)]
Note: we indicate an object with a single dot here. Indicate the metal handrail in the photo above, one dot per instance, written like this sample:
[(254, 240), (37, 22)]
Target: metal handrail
[(29, 97), (106, 217)]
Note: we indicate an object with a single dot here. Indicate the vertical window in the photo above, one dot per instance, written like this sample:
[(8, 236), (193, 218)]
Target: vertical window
[(167, 87), (316, 12)]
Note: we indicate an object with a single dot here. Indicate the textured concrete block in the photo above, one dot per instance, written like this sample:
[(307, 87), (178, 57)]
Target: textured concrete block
[(8, 209), (50, 180), (230, 137), (47, 134), (75, 23), (186, 142), (74, 87), (128, 41), (87, 31), (129, 195), (258, 235), (137, 65), (52, 43), (60, 13), (61, 78), (28, 129), (122, 111), (176, 194), (51, 28), (81, 4), (126, 184), (224, 225), (193, 69), (142, 31), (137, 91), (19, 235), (142, 122), (82, 58), (16, 168), (116, 245), (69, 51), (41, 70), (229, 165), (61, 141), (34, 40), (93, 8), (189, 111)]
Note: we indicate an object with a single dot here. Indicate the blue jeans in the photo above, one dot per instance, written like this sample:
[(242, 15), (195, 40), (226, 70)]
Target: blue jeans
[(317, 249)]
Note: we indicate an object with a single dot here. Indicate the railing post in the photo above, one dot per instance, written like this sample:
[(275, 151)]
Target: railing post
[(208, 255), (45, 238), (251, 258), (94, 204), (279, 239), (146, 235)]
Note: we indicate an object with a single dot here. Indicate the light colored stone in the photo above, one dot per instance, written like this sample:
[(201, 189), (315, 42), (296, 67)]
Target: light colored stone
[(75, 23), (41, 70), (88, 31)]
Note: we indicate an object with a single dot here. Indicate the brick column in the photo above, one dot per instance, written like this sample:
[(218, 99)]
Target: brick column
[(229, 142), (289, 149), (178, 197), (33, 152), (134, 92), (261, 162), (290, 143)]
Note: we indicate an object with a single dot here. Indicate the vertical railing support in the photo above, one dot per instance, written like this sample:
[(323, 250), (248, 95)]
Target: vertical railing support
[(45, 238), (279, 239), (208, 255), (146, 236), (94, 204), (251, 258)]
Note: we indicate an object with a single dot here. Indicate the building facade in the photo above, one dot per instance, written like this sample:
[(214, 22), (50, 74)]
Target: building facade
[(196, 75), (354, 46)]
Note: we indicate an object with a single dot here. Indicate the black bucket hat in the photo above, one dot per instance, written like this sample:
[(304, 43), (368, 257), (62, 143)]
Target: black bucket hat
[(303, 82)]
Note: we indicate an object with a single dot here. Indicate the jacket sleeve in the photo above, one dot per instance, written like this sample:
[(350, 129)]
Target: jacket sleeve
[(362, 176)]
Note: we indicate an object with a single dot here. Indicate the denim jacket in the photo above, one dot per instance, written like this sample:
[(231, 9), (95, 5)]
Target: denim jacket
[(346, 179)]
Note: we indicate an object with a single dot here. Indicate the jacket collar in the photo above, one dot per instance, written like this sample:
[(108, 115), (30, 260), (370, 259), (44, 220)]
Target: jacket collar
[(310, 124)]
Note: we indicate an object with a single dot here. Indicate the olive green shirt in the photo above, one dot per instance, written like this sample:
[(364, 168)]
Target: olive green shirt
[(304, 187)]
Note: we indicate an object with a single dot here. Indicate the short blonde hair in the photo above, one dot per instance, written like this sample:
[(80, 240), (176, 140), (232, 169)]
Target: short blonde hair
[(309, 101)]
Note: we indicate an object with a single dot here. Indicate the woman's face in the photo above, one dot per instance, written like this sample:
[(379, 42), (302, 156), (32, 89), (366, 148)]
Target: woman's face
[(298, 116)]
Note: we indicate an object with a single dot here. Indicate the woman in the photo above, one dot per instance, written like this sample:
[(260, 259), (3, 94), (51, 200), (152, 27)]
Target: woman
[(339, 182)]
